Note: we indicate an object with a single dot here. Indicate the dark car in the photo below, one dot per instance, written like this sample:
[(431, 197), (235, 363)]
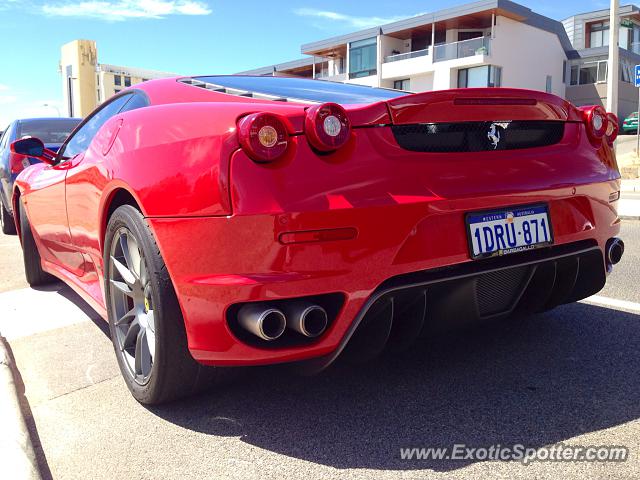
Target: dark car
[(52, 131)]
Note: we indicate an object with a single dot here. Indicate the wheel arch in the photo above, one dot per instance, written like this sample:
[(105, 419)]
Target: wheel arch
[(15, 203), (117, 197)]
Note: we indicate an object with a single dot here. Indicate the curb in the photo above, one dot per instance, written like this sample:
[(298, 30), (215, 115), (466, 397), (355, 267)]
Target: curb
[(629, 217), (17, 456)]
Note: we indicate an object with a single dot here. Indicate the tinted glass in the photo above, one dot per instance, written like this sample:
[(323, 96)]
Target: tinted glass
[(304, 89), (82, 138), (50, 130), (137, 101), (7, 136)]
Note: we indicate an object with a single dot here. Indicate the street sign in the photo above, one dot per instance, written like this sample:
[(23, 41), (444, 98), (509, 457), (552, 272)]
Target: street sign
[(637, 75)]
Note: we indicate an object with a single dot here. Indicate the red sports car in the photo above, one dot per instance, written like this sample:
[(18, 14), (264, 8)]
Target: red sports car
[(235, 220)]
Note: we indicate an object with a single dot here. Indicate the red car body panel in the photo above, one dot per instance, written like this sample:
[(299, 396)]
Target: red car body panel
[(219, 217)]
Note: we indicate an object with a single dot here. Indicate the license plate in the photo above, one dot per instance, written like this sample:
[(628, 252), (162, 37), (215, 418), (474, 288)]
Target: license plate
[(508, 231)]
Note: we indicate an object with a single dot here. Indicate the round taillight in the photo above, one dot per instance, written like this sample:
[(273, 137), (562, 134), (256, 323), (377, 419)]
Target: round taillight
[(327, 126), (264, 136), (612, 127), (596, 119)]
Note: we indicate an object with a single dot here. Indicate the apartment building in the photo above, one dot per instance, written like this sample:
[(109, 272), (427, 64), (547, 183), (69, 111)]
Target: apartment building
[(587, 77), (481, 44), (86, 83), (487, 43)]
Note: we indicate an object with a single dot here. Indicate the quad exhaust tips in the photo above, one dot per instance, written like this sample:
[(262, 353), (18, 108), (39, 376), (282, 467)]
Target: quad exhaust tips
[(614, 250), (265, 322), (269, 323), (306, 318)]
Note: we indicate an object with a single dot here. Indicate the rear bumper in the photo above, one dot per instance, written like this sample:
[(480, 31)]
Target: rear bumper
[(216, 262), (400, 309)]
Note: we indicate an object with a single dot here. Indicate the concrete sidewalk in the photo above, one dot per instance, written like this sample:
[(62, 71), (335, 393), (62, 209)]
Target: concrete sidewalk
[(630, 185), (49, 309), (629, 204)]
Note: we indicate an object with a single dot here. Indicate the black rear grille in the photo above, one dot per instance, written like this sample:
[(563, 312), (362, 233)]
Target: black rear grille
[(496, 292), (477, 136)]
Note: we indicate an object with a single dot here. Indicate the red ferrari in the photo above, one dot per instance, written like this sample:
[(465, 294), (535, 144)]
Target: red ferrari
[(234, 220)]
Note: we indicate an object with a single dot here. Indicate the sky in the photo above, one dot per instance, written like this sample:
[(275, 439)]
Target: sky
[(188, 37)]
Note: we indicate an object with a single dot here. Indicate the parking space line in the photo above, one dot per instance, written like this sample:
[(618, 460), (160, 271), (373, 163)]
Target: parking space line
[(613, 303)]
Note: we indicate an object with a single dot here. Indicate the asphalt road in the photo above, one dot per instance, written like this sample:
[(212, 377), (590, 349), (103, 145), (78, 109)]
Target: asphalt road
[(570, 376)]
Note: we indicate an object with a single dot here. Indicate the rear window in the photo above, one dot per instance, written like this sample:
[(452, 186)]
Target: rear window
[(48, 130), (304, 89)]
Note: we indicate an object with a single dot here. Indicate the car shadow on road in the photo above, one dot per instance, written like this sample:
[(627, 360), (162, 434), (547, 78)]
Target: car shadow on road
[(68, 293), (534, 382)]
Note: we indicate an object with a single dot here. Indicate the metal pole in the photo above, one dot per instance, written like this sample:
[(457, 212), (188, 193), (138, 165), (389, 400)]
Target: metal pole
[(638, 131), (612, 63)]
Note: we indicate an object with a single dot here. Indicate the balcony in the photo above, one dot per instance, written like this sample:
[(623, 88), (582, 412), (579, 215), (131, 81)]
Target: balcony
[(332, 77), (405, 56), (463, 49), (405, 65)]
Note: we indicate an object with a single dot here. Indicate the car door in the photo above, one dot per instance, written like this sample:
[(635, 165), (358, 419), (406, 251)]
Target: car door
[(86, 177), (46, 199)]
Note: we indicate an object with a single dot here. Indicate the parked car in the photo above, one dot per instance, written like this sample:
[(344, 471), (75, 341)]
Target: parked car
[(630, 124), (52, 131), (237, 220)]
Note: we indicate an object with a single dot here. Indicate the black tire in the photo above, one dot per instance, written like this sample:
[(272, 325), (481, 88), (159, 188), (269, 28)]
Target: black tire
[(6, 221), (173, 372), (32, 262)]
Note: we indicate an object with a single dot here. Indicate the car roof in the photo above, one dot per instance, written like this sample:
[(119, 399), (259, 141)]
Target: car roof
[(47, 118)]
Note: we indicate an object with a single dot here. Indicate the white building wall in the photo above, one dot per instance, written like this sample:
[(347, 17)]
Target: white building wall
[(421, 83), (370, 81), (527, 55)]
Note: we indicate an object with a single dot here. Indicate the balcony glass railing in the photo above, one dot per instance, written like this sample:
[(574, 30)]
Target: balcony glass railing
[(465, 48), (324, 73), (404, 56)]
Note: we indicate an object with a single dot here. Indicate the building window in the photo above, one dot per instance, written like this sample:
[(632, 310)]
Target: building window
[(485, 76), (117, 90), (589, 72), (363, 58), (401, 84), (117, 80), (599, 34), (127, 81), (549, 85)]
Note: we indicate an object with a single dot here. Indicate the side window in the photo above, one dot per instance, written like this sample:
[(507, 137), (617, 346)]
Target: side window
[(80, 141), (4, 143), (137, 101)]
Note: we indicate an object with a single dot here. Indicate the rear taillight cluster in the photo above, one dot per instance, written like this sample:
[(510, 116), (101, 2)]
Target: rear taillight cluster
[(265, 137), (600, 125), (327, 127)]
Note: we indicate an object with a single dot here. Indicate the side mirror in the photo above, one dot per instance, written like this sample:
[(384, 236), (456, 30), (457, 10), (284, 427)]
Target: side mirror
[(33, 147)]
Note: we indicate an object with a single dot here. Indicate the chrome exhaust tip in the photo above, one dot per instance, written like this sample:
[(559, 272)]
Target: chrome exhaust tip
[(265, 322), (614, 250), (306, 318)]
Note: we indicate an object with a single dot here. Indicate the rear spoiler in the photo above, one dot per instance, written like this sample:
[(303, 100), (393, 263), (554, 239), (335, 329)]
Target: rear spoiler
[(480, 104)]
